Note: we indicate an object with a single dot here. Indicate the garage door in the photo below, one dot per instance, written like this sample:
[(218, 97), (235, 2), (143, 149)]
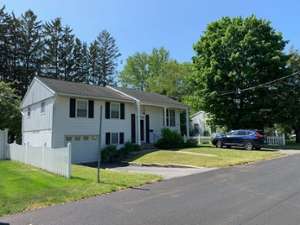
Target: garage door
[(84, 148)]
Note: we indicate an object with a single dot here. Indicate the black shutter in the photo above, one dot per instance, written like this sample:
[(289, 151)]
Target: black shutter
[(91, 109), (147, 129), (133, 136), (72, 107), (107, 138), (167, 117), (121, 138), (107, 110), (122, 113)]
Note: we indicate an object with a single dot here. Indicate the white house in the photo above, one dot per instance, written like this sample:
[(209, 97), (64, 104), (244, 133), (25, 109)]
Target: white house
[(199, 124), (56, 112)]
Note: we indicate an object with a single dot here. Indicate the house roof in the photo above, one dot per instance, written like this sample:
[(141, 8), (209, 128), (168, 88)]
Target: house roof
[(81, 89), (114, 93), (148, 98)]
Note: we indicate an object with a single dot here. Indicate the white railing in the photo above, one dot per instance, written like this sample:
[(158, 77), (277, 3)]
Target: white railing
[(202, 139), (55, 160), (275, 140), (3, 143)]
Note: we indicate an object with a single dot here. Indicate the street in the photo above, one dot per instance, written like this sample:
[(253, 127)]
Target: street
[(257, 194)]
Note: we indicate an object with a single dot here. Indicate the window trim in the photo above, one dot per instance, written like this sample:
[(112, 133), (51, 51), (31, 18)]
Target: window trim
[(43, 106), (119, 110), (28, 112), (169, 117), (87, 108), (111, 134)]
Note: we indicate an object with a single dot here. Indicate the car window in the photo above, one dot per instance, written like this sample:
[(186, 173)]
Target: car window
[(233, 132), (242, 132)]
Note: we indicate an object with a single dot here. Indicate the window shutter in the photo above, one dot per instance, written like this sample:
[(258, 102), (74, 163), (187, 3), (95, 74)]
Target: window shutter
[(107, 138), (72, 107), (91, 109), (122, 113), (107, 110), (167, 117), (121, 138)]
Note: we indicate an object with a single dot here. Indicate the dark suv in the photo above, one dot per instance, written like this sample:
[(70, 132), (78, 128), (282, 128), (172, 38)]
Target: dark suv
[(248, 139)]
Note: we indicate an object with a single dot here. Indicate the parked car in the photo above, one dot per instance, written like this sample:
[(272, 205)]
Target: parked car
[(248, 139)]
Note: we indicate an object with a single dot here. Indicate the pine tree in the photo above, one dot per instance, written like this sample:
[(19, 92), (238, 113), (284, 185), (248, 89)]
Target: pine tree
[(93, 63), (53, 34), (84, 64), (108, 53), (30, 48), (65, 54)]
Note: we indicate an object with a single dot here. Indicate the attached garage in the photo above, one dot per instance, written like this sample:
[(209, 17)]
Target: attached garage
[(85, 148)]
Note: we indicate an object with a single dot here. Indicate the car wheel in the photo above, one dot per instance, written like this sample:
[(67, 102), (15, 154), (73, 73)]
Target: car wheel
[(219, 144), (228, 146), (249, 146), (257, 148)]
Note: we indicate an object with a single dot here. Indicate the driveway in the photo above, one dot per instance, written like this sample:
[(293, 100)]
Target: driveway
[(165, 172), (265, 193)]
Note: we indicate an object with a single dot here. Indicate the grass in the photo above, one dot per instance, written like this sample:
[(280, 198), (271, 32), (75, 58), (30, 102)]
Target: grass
[(23, 187), (202, 157)]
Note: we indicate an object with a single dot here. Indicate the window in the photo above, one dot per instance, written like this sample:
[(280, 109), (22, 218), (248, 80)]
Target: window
[(93, 138), (115, 110), (77, 138), (28, 112), (172, 118), (114, 138), (81, 108), (68, 138), (42, 107), (86, 138)]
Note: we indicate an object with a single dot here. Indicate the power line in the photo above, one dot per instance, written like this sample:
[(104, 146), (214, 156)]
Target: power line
[(261, 85)]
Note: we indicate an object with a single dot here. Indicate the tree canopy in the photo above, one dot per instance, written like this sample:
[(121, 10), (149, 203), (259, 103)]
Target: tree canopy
[(231, 55)]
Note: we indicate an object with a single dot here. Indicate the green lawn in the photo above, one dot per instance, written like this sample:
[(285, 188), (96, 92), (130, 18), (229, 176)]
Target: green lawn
[(24, 187), (202, 157)]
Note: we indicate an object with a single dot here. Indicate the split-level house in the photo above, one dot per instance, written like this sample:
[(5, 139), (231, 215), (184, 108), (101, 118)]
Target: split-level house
[(90, 117)]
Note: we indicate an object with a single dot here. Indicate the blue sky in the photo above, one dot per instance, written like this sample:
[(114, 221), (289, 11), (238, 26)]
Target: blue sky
[(140, 25)]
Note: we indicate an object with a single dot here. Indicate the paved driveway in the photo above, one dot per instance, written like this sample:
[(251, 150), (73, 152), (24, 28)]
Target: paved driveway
[(266, 193), (165, 172)]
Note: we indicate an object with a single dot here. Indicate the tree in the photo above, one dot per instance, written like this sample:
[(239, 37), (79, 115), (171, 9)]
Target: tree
[(31, 48), (93, 63), (52, 42), (108, 53), (136, 72), (233, 54), (289, 97), (9, 110)]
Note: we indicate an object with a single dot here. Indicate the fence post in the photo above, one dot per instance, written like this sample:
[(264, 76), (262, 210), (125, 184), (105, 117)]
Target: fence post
[(199, 139), (283, 139), (6, 144), (69, 172)]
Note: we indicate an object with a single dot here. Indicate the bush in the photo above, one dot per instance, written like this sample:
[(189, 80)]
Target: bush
[(109, 154), (130, 147), (169, 139), (190, 143)]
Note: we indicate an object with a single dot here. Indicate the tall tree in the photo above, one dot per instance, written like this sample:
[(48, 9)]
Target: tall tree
[(53, 34), (233, 54), (93, 63), (107, 58), (136, 71), (31, 47), (288, 101)]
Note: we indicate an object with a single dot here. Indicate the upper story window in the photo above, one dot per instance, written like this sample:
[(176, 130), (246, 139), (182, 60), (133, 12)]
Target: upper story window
[(172, 118), (42, 107), (81, 108), (28, 111), (115, 110)]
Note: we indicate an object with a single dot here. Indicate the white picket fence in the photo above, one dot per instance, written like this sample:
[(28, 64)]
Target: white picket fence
[(275, 140), (55, 160), (202, 139), (3, 143)]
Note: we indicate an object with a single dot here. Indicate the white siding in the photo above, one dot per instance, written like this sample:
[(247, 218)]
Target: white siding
[(36, 93), (37, 138)]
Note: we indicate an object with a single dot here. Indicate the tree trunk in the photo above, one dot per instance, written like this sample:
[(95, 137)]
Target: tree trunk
[(297, 132)]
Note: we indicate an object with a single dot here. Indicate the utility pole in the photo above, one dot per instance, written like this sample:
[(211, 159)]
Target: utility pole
[(99, 156)]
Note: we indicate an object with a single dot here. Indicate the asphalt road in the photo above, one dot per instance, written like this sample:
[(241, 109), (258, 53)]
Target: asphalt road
[(267, 193)]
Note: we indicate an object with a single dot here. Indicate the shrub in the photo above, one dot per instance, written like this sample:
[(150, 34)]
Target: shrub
[(190, 143), (109, 154), (169, 139), (130, 147)]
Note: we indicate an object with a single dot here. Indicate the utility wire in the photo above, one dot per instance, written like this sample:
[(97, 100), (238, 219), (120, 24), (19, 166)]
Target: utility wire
[(261, 85)]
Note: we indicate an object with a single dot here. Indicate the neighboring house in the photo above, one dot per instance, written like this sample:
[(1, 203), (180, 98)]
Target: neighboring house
[(199, 124), (56, 112)]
